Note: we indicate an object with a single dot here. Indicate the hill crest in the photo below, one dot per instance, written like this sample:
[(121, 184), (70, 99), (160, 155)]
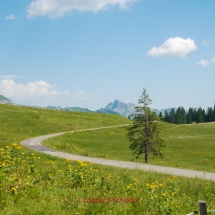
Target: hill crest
[(5, 100)]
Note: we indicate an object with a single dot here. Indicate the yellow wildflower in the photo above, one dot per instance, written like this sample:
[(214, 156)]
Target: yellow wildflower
[(14, 189), (67, 160)]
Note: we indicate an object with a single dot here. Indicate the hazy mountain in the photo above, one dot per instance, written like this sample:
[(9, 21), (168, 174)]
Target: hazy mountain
[(163, 111), (103, 110), (124, 109), (116, 107), (78, 109), (75, 109)]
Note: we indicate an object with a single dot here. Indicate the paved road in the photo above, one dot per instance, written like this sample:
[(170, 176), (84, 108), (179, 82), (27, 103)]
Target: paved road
[(35, 144)]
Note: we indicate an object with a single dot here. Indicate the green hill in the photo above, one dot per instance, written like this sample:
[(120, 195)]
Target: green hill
[(19, 123), (5, 100)]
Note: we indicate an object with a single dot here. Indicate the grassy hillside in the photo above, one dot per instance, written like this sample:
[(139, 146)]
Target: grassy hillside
[(187, 146), (33, 183), (19, 123)]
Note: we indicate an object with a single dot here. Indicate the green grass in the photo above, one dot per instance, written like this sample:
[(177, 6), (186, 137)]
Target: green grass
[(190, 146), (31, 183), (107, 143), (187, 146), (20, 123), (37, 184)]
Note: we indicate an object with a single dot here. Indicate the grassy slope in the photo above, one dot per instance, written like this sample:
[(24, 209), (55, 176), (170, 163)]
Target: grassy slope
[(187, 146), (19, 123)]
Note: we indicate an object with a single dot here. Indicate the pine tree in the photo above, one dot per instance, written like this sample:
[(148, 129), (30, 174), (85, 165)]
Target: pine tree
[(199, 118), (183, 116), (190, 115), (195, 113), (178, 119), (144, 133), (189, 118), (204, 115), (161, 116), (214, 114), (209, 115), (166, 116), (172, 116)]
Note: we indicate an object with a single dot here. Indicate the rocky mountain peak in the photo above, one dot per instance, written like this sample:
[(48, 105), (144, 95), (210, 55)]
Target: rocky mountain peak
[(122, 108)]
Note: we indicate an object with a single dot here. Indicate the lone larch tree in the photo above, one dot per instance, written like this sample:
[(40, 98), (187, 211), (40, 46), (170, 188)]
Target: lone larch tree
[(144, 134)]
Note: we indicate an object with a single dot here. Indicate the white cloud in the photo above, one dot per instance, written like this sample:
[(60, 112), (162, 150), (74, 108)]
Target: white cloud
[(213, 60), (203, 63), (174, 47), (10, 17), (205, 42), (39, 88), (8, 76), (41, 93), (57, 8)]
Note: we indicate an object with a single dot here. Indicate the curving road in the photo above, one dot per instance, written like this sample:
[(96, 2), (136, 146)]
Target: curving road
[(35, 144)]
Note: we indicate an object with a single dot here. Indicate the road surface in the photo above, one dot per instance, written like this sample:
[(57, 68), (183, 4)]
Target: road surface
[(35, 144)]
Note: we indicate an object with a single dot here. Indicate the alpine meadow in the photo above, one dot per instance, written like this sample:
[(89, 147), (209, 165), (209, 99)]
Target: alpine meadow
[(35, 183), (107, 107)]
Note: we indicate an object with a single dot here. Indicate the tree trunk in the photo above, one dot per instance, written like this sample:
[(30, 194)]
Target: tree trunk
[(146, 157), (146, 152)]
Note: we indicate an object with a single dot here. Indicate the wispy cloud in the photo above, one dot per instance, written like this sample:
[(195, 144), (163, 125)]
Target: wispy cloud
[(57, 8), (10, 17), (8, 76), (205, 42), (174, 47), (213, 60), (203, 63)]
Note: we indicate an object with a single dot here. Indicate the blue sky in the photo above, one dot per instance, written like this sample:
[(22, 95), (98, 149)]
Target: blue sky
[(88, 53)]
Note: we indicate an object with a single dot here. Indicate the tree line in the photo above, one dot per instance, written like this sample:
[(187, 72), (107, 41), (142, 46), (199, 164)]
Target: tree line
[(180, 116)]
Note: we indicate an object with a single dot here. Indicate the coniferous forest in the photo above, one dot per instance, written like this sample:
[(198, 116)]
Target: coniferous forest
[(193, 115)]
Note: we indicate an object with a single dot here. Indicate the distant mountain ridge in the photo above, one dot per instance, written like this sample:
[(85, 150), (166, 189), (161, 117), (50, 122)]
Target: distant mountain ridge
[(126, 109), (116, 107), (79, 109)]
